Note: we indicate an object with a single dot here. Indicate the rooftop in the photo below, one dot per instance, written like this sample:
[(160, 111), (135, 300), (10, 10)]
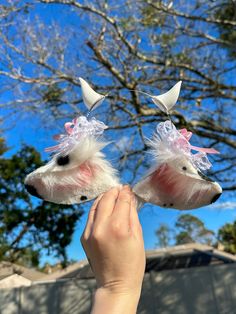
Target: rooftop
[(7, 269), (186, 256), (175, 257)]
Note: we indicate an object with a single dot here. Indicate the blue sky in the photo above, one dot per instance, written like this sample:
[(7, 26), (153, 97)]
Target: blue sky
[(31, 131), (214, 216)]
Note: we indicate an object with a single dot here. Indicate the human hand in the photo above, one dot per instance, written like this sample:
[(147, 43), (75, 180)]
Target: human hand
[(113, 242)]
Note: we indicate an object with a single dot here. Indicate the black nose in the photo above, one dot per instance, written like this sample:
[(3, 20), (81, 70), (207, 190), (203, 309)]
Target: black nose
[(215, 198), (32, 190)]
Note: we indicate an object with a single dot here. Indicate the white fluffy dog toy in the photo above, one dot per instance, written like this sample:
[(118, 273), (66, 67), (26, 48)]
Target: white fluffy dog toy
[(78, 171), (176, 180)]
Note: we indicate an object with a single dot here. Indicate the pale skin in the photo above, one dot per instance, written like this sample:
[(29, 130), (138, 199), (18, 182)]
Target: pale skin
[(113, 243)]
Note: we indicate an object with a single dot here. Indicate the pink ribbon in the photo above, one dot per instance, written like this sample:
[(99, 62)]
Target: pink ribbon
[(70, 125), (76, 130), (188, 135)]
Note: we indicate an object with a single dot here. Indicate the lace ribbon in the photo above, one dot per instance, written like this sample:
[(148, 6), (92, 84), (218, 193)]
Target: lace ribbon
[(178, 141), (77, 130)]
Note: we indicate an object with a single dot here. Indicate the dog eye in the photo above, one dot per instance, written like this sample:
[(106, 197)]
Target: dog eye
[(83, 198), (63, 160), (184, 168)]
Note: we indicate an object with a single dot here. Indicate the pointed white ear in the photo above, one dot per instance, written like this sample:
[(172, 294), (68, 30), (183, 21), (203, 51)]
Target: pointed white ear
[(166, 101), (91, 99)]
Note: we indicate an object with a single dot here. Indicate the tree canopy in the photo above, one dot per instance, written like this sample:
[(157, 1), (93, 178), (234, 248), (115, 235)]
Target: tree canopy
[(164, 235), (187, 229), (29, 227), (192, 229), (227, 237)]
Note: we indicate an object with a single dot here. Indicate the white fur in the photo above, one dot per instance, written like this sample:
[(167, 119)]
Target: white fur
[(175, 187), (167, 184), (88, 174)]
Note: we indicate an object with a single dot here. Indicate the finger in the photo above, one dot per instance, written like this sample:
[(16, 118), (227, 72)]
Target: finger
[(90, 220), (105, 205), (122, 207), (135, 225)]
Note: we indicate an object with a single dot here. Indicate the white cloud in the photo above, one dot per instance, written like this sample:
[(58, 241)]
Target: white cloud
[(224, 205)]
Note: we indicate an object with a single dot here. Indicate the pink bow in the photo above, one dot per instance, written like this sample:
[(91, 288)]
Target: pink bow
[(70, 125), (76, 131), (188, 135)]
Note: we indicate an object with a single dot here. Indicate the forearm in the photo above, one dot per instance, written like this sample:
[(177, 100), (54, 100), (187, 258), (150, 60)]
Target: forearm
[(115, 303)]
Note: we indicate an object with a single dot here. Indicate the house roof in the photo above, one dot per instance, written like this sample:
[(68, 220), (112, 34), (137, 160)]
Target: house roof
[(8, 269), (175, 257), (72, 271), (186, 256)]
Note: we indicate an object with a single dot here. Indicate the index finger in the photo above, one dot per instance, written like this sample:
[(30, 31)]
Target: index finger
[(123, 203), (135, 225), (106, 204), (90, 220)]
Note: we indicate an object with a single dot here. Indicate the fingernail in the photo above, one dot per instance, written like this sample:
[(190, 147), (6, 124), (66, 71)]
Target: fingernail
[(127, 187)]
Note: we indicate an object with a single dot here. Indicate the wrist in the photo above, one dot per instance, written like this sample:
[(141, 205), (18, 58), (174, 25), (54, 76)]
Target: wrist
[(114, 301)]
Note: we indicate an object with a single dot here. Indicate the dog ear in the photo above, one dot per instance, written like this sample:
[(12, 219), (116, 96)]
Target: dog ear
[(176, 180), (91, 98), (78, 171), (166, 101)]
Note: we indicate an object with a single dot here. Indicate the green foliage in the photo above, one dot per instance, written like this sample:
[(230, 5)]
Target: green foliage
[(27, 257), (3, 147), (183, 57), (192, 229), (227, 236), (151, 18), (227, 11), (52, 94), (188, 229), (27, 226), (163, 234), (183, 237), (127, 23)]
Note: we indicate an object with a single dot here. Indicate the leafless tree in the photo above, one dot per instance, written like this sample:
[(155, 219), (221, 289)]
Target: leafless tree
[(122, 47)]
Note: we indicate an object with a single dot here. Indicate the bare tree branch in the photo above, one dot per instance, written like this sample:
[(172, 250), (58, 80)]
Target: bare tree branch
[(124, 48)]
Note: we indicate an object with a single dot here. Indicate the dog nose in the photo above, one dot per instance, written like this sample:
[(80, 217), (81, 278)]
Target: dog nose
[(215, 198), (32, 190)]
